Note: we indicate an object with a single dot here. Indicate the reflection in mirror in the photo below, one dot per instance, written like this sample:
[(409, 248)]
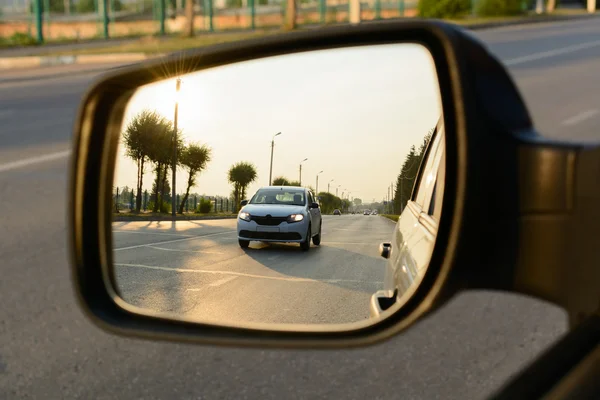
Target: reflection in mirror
[(291, 172)]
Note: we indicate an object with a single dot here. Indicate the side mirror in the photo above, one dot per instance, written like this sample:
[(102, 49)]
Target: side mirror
[(537, 236), (385, 250), (314, 205)]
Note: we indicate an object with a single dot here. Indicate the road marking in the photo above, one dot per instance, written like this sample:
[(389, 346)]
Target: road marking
[(582, 116), (222, 281), (238, 274), (155, 233), (34, 160), (552, 53), (174, 241), (185, 251)]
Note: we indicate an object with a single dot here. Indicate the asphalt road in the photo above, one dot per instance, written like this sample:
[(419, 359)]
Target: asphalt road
[(200, 272), (49, 350)]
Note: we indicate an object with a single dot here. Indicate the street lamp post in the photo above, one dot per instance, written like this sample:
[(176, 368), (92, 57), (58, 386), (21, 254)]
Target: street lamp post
[(301, 170), (329, 184), (336, 190), (317, 189), (174, 154), (271, 167)]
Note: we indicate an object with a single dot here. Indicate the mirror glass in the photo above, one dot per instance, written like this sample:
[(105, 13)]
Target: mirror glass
[(257, 144)]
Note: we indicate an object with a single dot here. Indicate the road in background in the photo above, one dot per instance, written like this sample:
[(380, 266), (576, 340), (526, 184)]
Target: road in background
[(463, 351), (200, 272)]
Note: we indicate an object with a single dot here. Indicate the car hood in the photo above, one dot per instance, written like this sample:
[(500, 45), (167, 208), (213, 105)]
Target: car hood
[(275, 210)]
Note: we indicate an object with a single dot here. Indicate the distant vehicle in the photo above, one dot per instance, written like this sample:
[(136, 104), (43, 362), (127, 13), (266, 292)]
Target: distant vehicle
[(374, 212), (337, 212), (280, 214), (367, 212)]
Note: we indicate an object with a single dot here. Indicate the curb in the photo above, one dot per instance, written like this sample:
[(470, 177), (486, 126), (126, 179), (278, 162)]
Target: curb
[(125, 218), (7, 63)]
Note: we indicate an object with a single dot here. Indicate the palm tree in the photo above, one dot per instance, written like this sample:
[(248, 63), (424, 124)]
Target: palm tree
[(241, 175), (138, 138), (160, 152), (194, 157)]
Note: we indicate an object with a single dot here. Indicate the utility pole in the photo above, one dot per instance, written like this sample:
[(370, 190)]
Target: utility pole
[(317, 189), (271, 167), (301, 171), (174, 154)]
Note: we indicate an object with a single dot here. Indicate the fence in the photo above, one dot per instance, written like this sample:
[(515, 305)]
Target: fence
[(125, 201), (88, 19)]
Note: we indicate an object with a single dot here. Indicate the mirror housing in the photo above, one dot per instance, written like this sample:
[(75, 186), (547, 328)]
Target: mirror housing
[(496, 244), (314, 205), (243, 203)]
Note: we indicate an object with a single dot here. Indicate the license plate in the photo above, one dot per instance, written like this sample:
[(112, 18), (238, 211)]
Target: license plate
[(267, 229)]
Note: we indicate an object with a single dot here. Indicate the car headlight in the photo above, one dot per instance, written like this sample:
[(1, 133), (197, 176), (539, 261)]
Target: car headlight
[(295, 218), (244, 215)]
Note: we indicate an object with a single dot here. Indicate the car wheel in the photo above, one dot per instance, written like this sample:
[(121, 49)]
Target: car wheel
[(244, 243), (306, 244), (317, 239)]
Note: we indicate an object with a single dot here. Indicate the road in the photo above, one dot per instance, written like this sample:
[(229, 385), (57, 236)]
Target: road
[(199, 271), (464, 351)]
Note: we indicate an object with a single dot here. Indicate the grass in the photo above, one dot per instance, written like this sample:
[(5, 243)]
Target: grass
[(391, 216)]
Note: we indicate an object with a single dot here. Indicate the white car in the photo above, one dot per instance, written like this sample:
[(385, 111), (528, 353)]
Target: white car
[(287, 214)]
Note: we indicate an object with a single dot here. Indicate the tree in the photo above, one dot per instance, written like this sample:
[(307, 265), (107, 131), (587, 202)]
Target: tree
[(357, 201), (189, 18), (241, 175), (330, 202), (194, 157), (138, 139), (290, 15), (280, 181), (408, 173), (160, 152)]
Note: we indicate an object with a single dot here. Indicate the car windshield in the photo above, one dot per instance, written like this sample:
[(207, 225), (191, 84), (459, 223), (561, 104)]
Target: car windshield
[(292, 197)]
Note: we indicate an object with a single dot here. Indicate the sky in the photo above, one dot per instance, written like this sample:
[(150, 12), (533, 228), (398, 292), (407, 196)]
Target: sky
[(353, 113)]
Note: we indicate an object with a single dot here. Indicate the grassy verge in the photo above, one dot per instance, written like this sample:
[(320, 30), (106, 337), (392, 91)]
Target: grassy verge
[(392, 217), (160, 45), (167, 217)]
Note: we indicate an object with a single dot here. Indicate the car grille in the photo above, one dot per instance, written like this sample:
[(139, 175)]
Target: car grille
[(270, 221), (270, 235)]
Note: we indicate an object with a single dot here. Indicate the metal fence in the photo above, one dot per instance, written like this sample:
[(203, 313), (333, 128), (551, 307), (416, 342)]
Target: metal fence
[(125, 201), (88, 19)]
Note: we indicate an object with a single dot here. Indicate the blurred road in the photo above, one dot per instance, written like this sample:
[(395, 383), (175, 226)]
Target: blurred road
[(200, 271), (464, 351)]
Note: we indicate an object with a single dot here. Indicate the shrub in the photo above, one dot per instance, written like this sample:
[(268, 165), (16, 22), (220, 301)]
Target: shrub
[(497, 8), (22, 39), (164, 207), (205, 206), (444, 8)]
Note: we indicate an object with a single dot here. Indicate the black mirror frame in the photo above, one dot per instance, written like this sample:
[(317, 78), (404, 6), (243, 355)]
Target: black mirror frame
[(243, 202), (489, 137)]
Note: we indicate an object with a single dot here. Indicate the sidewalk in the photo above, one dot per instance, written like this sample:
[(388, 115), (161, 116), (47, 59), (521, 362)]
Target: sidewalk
[(39, 61)]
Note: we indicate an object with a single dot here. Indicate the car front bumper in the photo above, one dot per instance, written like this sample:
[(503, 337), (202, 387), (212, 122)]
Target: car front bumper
[(284, 232)]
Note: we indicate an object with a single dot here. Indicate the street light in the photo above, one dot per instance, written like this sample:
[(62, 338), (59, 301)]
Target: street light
[(174, 154), (317, 189), (271, 167), (328, 185), (301, 170), (336, 190)]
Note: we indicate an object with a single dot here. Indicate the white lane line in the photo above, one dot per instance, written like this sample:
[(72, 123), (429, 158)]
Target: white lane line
[(174, 241), (34, 160), (238, 274), (222, 281), (582, 116), (552, 53), (155, 233), (185, 251)]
